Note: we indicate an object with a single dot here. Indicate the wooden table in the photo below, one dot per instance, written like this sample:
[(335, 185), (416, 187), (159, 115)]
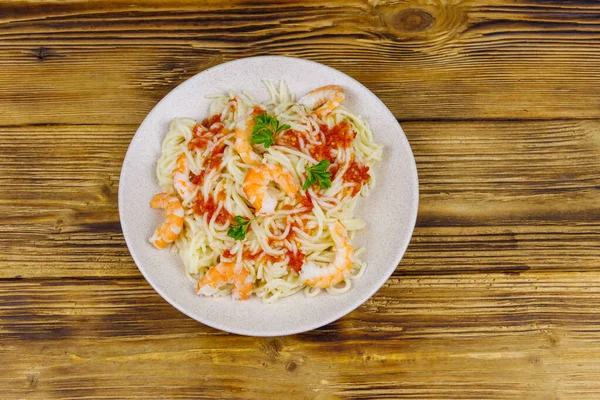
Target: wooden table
[(498, 296)]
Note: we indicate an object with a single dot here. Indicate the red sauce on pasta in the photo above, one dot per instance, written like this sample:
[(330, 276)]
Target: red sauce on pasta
[(201, 140), (209, 206), (291, 139), (340, 136), (207, 122), (357, 173), (296, 260)]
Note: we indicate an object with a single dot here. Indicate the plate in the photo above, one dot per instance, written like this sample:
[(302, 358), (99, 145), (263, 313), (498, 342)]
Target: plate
[(390, 210)]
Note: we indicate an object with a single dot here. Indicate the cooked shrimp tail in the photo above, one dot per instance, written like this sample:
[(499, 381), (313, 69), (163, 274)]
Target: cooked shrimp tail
[(256, 182), (243, 133), (181, 178), (323, 100), (227, 273), (166, 233), (332, 274)]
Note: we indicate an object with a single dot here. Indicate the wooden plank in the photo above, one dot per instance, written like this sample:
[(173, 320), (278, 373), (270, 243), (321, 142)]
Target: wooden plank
[(507, 196), (456, 60), (84, 86), (509, 172), (76, 228), (493, 336)]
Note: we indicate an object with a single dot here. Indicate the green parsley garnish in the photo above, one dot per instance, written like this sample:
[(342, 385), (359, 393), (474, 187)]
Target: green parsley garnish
[(318, 173), (238, 232), (265, 129)]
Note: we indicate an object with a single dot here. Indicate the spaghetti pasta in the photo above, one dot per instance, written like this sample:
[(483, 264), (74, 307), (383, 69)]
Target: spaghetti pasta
[(313, 158)]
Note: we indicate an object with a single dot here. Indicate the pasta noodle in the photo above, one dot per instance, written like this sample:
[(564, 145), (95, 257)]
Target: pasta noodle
[(277, 245)]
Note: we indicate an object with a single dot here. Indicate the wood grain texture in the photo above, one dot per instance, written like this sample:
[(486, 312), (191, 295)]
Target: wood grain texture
[(455, 337), (425, 59), (498, 295)]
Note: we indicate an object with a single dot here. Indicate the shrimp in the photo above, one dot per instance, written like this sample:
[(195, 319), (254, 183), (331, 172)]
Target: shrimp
[(224, 273), (181, 178), (255, 186), (336, 271), (326, 98), (170, 229), (243, 132)]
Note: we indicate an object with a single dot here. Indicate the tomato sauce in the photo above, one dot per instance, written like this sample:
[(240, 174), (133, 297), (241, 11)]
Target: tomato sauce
[(247, 255), (256, 111), (302, 201), (290, 139), (207, 122), (202, 136), (201, 140), (213, 161), (333, 169), (296, 260), (306, 201), (357, 173), (197, 179), (209, 206), (339, 136)]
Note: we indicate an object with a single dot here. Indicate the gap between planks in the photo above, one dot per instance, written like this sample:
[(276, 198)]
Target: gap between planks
[(400, 121)]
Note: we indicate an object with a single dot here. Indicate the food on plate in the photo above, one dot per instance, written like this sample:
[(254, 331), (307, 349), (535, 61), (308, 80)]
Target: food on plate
[(260, 196)]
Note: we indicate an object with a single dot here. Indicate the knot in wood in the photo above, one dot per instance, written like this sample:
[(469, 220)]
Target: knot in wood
[(411, 20), (42, 53), (291, 366)]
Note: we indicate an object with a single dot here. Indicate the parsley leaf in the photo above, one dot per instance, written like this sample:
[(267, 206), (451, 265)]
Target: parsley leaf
[(318, 173), (265, 129), (238, 232)]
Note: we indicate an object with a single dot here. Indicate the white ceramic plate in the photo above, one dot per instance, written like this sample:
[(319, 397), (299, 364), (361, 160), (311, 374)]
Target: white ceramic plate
[(390, 210)]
